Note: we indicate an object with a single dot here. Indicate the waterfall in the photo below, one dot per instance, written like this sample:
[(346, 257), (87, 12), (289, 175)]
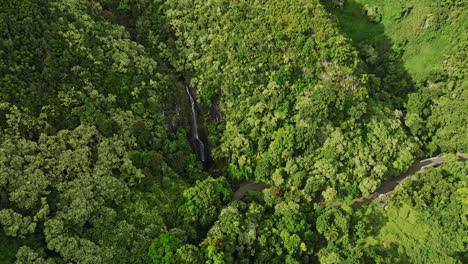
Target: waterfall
[(198, 143)]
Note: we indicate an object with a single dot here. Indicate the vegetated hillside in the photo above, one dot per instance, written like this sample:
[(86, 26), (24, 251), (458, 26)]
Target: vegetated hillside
[(92, 161), (438, 112), (315, 100), (424, 221), (423, 42), (294, 98), (422, 32)]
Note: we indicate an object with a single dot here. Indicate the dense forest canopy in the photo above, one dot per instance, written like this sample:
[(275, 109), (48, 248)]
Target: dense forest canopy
[(319, 102)]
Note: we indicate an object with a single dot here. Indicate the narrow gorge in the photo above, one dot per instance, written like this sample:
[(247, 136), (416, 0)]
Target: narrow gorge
[(196, 141)]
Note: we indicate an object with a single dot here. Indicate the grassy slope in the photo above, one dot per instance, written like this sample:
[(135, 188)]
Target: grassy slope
[(424, 242), (430, 35)]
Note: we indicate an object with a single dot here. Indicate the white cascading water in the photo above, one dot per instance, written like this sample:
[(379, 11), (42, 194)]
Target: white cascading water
[(200, 147)]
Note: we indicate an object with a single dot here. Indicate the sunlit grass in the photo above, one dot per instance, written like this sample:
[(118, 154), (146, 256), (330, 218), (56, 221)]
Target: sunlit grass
[(430, 36)]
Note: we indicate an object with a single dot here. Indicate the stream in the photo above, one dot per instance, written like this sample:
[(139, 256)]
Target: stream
[(385, 188)]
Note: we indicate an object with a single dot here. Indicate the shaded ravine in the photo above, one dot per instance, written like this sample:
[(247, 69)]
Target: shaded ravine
[(198, 145), (386, 187)]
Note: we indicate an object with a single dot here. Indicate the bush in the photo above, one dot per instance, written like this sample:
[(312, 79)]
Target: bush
[(163, 248)]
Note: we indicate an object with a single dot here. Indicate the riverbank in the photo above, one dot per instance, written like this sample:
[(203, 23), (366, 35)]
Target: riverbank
[(382, 191)]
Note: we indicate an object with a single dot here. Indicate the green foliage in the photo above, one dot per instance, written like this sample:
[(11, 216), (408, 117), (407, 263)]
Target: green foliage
[(367, 186), (81, 117), (95, 161), (296, 102), (203, 202), (243, 232), (187, 254), (123, 4), (333, 224), (14, 223), (334, 4), (428, 211), (163, 248), (422, 222), (438, 116), (421, 32), (372, 14)]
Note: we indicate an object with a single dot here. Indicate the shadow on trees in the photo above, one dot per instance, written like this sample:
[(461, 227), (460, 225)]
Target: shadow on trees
[(390, 83)]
